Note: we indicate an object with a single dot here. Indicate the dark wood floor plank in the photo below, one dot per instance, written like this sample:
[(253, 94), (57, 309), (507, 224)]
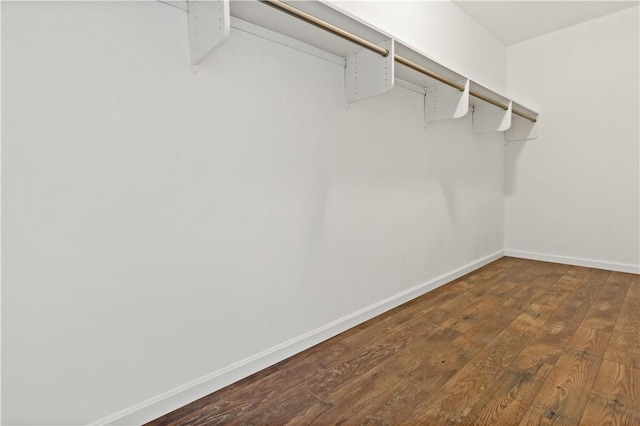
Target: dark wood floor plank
[(277, 410), (450, 404), (618, 384), (439, 363), (530, 293), (405, 313), (562, 268), (577, 272), (485, 330), (430, 301), (530, 324), (503, 284), (318, 356), (543, 268), (598, 275), (462, 301), (207, 403), (537, 358), (600, 411), (354, 396), (634, 289), (538, 416), (589, 341), (559, 291), (566, 319), (438, 316), (515, 342), (566, 390), (473, 313), (253, 398), (538, 313), (231, 402), (417, 356), (391, 407), (375, 330), (325, 383), (620, 277), (624, 345), (507, 401), (604, 310)]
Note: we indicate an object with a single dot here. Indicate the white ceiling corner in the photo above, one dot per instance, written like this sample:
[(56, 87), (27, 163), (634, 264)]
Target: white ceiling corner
[(515, 21)]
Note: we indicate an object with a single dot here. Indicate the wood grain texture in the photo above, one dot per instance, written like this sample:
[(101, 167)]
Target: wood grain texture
[(277, 410), (600, 411), (604, 310), (620, 277), (634, 287), (565, 392), (450, 404), (598, 275), (537, 358), (490, 326), (463, 320), (566, 319), (530, 293), (589, 341), (507, 401), (327, 382), (538, 313), (515, 342), (618, 384), (393, 406), (440, 362), (624, 345), (354, 396)]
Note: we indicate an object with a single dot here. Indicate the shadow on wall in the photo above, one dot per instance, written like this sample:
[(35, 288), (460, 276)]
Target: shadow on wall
[(512, 154), (448, 144), (459, 159)]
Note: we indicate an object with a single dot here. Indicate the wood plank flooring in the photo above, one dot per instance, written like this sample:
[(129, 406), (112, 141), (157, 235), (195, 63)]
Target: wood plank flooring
[(517, 342)]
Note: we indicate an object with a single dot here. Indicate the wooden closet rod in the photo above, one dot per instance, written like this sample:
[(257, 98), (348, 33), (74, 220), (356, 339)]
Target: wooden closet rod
[(382, 51), (528, 117), (428, 72), (310, 19)]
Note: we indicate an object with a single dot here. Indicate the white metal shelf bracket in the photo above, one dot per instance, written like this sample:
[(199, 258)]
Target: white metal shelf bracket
[(522, 130), (369, 74), (489, 118), (209, 24), (443, 102)]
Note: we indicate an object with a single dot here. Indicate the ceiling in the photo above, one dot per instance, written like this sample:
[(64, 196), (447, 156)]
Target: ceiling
[(515, 21)]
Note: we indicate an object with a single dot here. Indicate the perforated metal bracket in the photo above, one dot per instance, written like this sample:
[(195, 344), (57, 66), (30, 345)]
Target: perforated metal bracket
[(443, 102), (369, 74), (489, 118), (522, 129), (209, 24)]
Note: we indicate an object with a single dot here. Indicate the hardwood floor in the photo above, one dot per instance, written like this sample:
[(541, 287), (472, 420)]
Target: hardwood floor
[(517, 342)]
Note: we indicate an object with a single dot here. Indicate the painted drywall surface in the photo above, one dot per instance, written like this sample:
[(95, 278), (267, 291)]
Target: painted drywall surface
[(440, 30), (160, 226), (575, 190)]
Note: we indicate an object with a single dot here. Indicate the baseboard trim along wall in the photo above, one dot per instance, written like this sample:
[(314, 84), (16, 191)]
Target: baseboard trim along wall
[(576, 261), (189, 392)]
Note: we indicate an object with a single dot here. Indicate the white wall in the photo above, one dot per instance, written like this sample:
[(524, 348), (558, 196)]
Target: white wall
[(440, 30), (573, 194), (159, 227)]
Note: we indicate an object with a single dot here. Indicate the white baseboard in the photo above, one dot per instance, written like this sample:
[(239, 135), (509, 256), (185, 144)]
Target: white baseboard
[(189, 392), (590, 263)]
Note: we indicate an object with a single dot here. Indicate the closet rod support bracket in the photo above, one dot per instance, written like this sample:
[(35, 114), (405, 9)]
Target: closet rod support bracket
[(209, 25), (490, 118), (369, 74), (522, 129), (443, 102)]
